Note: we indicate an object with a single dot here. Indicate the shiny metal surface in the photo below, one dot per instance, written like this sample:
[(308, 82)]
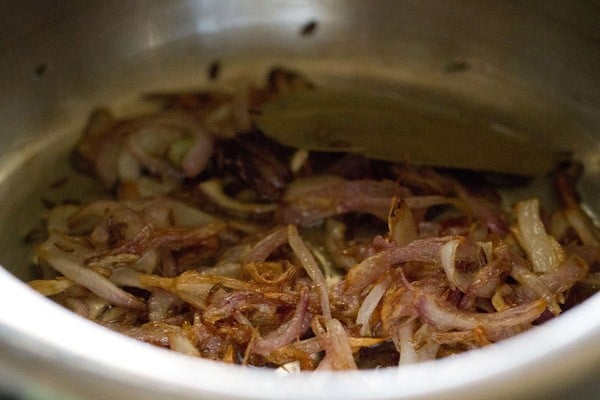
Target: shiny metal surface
[(534, 65)]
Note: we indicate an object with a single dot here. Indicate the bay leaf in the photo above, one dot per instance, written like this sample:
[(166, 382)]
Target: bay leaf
[(382, 126)]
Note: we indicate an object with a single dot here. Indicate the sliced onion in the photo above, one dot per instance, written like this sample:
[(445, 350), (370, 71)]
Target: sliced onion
[(162, 305), (155, 165), (341, 345), (195, 280), (401, 223), (446, 317), (423, 179), (149, 138), (487, 248), (573, 269), (292, 367), (325, 363), (584, 227), (335, 243), (301, 187), (112, 259), (261, 250), (491, 218), (194, 286), (181, 344), (312, 269), (179, 238), (286, 332), (338, 352), (566, 275), (309, 200), (533, 237), (91, 215), (125, 276), (427, 347), (368, 306), (128, 166), (188, 290), (448, 261), (559, 225), (158, 333), (87, 278), (198, 155), (487, 279), (223, 305), (91, 306), (228, 269), (165, 212), (368, 271), (168, 265), (50, 287), (408, 353), (298, 159), (214, 190), (527, 278)]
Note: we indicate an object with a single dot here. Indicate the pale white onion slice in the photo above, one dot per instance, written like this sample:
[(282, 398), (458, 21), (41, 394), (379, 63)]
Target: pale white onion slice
[(181, 344), (408, 353), (369, 305), (87, 278), (448, 261), (289, 368), (533, 237)]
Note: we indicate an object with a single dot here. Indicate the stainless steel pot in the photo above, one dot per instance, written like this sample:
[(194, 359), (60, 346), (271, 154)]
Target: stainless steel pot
[(535, 65)]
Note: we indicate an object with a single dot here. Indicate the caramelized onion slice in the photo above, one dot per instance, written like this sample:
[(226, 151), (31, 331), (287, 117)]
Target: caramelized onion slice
[(446, 317), (87, 278), (312, 268), (286, 332), (50, 287), (401, 223), (368, 271)]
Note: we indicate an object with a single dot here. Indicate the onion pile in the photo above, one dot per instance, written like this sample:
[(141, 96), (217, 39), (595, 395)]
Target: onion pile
[(217, 242)]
